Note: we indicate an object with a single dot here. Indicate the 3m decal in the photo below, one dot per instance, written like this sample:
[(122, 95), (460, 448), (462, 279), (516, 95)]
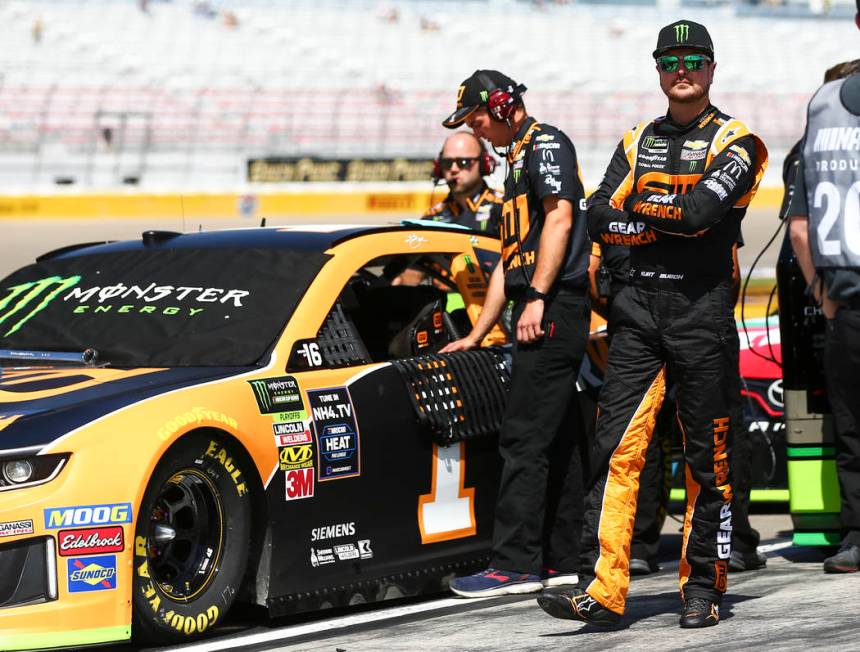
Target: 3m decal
[(300, 484), (92, 574), (92, 541), (278, 395), (291, 433), (16, 528), (26, 300), (296, 457), (65, 517), (448, 511), (337, 435)]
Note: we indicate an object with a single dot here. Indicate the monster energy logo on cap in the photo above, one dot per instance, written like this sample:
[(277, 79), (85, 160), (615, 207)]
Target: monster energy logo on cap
[(484, 95), (682, 32), (26, 300)]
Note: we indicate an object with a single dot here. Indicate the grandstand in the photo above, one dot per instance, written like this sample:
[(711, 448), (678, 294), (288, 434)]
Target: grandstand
[(101, 92)]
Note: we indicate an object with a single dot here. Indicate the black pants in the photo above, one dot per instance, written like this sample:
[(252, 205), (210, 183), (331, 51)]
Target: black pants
[(842, 362), (656, 478), (539, 508), (691, 331)]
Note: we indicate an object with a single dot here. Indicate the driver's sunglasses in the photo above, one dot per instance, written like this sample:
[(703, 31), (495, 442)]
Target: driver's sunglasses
[(692, 62), (464, 163)]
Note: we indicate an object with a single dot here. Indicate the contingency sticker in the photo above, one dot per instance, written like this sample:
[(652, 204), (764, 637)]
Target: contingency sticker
[(92, 574), (280, 397), (16, 528), (338, 440)]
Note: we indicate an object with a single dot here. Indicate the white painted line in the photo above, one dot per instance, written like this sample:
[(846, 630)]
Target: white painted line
[(771, 547), (328, 625)]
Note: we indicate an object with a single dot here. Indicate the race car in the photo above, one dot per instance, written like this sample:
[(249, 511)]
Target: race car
[(256, 415)]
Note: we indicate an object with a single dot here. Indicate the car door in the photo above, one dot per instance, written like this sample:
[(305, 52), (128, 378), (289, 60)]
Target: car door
[(378, 507)]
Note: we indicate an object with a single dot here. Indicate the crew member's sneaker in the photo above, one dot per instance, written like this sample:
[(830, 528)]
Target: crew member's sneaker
[(699, 612), (551, 577), (642, 567), (495, 582), (847, 560), (746, 561), (576, 604)]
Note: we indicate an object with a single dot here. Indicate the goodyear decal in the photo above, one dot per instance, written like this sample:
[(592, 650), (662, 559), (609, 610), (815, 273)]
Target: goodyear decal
[(92, 574), (84, 515)]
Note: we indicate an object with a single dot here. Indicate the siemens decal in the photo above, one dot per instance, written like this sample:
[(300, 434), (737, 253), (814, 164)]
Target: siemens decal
[(333, 531), (64, 517)]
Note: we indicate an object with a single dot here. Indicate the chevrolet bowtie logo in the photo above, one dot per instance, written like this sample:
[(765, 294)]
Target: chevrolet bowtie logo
[(682, 33)]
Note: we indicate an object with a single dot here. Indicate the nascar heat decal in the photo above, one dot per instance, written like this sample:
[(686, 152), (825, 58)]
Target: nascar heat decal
[(338, 440), (92, 574)]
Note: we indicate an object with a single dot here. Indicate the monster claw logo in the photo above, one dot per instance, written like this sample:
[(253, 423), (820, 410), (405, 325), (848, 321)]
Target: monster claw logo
[(682, 32), (26, 294), (484, 95)]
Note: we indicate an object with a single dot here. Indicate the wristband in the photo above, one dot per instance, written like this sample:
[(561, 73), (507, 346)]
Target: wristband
[(532, 293)]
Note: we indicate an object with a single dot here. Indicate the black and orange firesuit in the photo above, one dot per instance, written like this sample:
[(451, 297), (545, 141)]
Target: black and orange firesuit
[(675, 194)]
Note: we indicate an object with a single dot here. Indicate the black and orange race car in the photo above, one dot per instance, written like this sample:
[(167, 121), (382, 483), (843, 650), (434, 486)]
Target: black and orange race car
[(256, 415)]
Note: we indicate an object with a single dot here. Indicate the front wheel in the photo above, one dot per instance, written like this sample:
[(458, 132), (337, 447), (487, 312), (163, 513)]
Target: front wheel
[(191, 540)]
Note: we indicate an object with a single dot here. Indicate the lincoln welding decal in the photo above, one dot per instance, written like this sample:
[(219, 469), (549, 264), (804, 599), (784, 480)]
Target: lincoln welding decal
[(338, 440), (92, 574)]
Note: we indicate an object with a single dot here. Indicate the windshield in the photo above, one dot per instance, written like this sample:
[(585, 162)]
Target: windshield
[(157, 308)]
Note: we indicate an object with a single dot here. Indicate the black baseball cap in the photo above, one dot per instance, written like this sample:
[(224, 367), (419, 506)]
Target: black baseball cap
[(475, 91), (684, 34)]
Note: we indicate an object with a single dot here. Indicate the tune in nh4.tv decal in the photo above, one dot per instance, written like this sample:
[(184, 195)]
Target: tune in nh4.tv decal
[(92, 574), (84, 515), (90, 541), (338, 439)]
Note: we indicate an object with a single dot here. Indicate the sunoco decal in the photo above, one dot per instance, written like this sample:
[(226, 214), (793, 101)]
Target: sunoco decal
[(337, 433), (91, 541), (16, 528), (92, 574)]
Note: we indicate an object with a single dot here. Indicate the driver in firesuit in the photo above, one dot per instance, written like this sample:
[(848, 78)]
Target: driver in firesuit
[(675, 192)]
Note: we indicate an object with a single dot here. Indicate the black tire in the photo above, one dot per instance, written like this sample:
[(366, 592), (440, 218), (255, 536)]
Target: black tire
[(191, 540)]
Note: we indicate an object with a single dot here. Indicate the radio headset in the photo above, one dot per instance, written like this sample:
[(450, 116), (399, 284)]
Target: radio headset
[(501, 104)]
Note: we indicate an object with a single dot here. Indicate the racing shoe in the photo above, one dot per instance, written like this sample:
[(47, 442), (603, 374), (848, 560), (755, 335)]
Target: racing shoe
[(746, 561), (552, 577), (576, 604), (699, 612), (493, 581), (847, 560)]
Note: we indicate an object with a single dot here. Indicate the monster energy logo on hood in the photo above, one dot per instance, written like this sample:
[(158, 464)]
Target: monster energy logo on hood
[(682, 32), (38, 295), (26, 300)]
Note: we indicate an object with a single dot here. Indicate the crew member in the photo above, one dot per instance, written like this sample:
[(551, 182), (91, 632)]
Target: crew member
[(675, 193), (826, 242), (462, 164), (544, 271)]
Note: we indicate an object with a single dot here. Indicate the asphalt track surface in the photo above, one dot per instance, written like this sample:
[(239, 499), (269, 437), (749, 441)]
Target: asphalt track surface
[(790, 605), (22, 240)]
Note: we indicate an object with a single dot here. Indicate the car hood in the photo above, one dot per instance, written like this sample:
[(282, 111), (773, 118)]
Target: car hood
[(39, 405)]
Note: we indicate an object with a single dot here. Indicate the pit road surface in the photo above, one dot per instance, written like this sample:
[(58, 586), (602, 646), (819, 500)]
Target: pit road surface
[(790, 605)]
